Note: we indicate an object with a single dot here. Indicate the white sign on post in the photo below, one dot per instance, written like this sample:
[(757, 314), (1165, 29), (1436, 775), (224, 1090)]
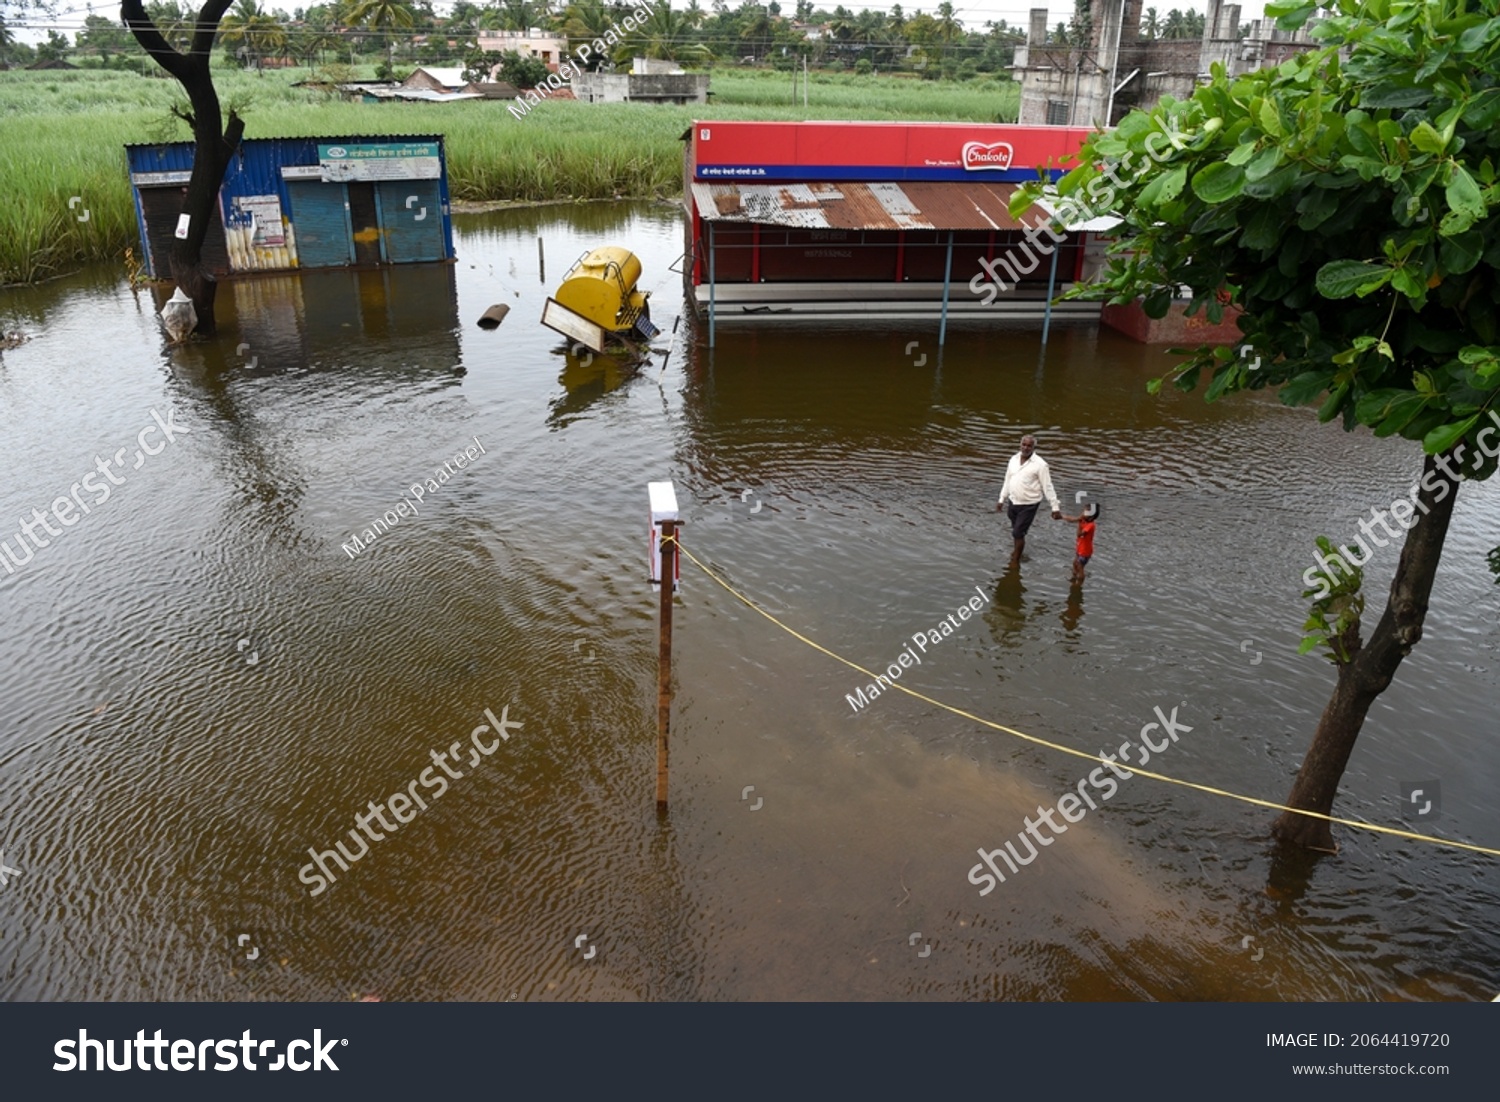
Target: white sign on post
[(663, 508), (183, 222)]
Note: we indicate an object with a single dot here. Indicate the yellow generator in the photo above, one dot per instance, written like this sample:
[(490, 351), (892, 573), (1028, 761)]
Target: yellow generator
[(598, 299)]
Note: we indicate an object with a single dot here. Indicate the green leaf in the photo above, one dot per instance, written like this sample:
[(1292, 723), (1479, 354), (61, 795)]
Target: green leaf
[(1270, 119), (1218, 182), (1330, 408), (1478, 37), (1444, 437), (1483, 111), (1305, 387), (1428, 140), (1265, 162), (1463, 195), (1241, 153), (1164, 188), (1410, 284), (1343, 278), (1460, 253)]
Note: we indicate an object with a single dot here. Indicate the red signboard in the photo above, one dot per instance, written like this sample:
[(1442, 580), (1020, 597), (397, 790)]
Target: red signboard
[(873, 151)]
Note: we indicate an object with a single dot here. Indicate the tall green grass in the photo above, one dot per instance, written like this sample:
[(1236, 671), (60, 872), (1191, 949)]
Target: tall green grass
[(61, 136)]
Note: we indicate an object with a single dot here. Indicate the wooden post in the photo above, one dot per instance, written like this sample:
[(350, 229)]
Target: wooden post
[(664, 667), (541, 262)]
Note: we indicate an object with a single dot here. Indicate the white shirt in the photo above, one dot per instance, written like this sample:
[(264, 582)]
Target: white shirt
[(1026, 483)]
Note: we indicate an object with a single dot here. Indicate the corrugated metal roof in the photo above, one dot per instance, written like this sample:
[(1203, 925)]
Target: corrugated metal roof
[(857, 206)]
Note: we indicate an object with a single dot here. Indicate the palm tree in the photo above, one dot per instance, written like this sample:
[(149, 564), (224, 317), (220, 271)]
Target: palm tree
[(585, 21), (1173, 27), (381, 15), (948, 28), (1151, 24), (257, 31), (663, 35)]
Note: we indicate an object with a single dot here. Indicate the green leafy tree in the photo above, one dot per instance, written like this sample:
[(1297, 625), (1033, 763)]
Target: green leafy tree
[(1347, 204), (56, 48)]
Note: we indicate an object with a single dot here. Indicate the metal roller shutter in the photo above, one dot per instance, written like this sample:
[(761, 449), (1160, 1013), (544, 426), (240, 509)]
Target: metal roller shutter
[(411, 220), (320, 219)]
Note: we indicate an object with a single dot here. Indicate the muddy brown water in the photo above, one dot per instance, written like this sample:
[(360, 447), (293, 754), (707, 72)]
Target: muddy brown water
[(198, 684)]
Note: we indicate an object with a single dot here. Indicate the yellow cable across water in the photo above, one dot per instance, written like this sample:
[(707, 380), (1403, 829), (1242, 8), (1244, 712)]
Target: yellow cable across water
[(1270, 804)]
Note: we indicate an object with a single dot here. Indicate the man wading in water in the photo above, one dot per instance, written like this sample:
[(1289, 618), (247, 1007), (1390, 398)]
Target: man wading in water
[(1027, 480)]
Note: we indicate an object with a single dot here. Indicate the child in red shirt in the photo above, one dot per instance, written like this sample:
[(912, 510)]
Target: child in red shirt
[(1084, 549)]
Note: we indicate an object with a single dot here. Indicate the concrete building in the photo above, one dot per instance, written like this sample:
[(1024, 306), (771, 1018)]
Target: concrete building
[(548, 48), (649, 81), (1096, 83)]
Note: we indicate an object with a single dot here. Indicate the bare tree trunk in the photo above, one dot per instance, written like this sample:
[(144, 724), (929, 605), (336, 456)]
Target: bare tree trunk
[(1373, 665), (211, 151)]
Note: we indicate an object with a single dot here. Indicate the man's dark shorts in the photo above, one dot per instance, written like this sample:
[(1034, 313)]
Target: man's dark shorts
[(1021, 517)]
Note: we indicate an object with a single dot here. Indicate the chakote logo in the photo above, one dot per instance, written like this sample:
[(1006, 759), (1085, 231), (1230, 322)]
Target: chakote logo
[(336, 151), (979, 156)]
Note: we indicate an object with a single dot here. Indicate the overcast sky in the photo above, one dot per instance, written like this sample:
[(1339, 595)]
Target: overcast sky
[(973, 14)]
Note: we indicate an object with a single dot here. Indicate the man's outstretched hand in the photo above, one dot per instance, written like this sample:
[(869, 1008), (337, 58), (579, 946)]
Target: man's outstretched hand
[(1057, 514)]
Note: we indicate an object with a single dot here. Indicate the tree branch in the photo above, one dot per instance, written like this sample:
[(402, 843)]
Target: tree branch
[(207, 27), (133, 15)]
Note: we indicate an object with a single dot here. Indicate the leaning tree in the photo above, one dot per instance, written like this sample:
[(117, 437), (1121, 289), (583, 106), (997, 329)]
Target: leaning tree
[(214, 142), (1345, 200)]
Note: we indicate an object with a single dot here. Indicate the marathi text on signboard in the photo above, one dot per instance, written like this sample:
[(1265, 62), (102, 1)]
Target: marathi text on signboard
[(386, 161)]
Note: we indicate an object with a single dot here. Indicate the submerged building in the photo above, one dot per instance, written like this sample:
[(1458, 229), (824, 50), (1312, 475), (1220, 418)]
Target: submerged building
[(900, 221), (288, 203)]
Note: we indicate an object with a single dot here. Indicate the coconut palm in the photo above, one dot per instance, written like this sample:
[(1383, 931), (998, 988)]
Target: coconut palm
[(382, 15), (1151, 24), (257, 33)]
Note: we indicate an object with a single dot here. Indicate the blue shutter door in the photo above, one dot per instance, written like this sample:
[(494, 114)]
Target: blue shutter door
[(320, 219), (411, 220)]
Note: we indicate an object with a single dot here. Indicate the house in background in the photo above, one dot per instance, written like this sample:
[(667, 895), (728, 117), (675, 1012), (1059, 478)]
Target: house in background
[(548, 48), (1098, 83), (649, 81)]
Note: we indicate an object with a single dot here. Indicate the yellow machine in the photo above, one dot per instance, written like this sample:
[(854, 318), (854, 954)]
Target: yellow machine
[(598, 299)]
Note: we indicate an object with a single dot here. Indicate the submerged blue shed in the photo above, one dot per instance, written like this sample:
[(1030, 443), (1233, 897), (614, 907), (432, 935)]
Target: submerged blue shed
[(303, 203)]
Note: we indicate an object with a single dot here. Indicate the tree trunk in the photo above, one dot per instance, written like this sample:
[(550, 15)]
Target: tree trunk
[(1373, 665), (211, 149)]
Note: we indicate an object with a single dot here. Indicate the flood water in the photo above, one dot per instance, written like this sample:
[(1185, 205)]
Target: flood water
[(198, 683)]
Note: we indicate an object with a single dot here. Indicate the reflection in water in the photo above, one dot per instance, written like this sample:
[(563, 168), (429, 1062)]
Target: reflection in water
[(1073, 613), (586, 378)]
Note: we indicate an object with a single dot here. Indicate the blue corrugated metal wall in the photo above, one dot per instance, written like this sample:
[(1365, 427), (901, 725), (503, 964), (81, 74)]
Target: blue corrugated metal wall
[(256, 168)]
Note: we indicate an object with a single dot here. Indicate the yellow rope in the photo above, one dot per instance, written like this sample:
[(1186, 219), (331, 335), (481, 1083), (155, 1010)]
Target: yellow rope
[(1270, 804)]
